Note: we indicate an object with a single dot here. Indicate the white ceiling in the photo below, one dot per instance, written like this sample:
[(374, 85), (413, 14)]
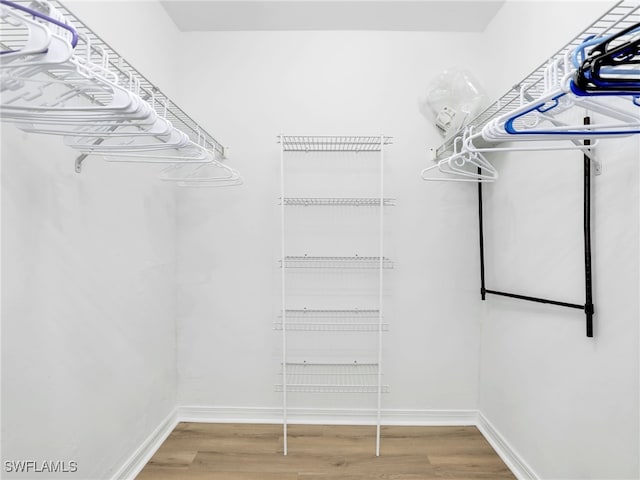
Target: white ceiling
[(413, 15)]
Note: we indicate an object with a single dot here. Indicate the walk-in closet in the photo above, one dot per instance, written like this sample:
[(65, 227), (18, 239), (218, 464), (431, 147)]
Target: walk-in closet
[(320, 240)]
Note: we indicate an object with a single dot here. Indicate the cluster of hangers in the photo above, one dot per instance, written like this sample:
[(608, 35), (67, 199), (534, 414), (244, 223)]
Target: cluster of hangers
[(54, 81), (601, 75)]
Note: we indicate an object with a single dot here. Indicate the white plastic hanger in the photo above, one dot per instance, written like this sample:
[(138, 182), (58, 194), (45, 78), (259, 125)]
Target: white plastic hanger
[(470, 137), (38, 36), (462, 166), (214, 174), (536, 119), (58, 83)]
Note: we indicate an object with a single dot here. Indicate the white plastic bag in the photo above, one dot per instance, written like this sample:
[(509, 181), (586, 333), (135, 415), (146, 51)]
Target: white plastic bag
[(453, 98)]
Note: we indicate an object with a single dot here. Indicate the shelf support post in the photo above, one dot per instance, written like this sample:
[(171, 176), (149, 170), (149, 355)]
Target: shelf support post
[(483, 291), (588, 305), (380, 295), (284, 307)]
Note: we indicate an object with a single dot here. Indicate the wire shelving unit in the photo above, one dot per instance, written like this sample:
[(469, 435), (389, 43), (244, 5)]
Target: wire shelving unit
[(332, 321), (338, 202), (332, 378), (622, 15)]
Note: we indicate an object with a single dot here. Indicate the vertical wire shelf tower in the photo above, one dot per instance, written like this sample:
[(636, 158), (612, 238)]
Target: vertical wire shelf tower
[(337, 377)]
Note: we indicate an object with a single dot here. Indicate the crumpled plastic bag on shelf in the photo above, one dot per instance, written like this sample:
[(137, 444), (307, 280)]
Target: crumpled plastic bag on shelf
[(453, 98)]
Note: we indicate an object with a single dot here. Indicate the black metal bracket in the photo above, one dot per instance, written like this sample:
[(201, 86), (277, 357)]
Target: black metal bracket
[(588, 307)]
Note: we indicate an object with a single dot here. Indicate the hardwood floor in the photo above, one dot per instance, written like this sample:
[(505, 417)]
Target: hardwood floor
[(199, 451)]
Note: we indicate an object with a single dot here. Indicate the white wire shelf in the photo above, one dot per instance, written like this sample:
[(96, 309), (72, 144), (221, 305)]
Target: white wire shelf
[(338, 202), (327, 143), (11, 39), (332, 378), (355, 262), (624, 14), (332, 321)]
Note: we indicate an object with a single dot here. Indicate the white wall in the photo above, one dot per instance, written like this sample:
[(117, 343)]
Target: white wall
[(140, 31), (566, 403), (88, 263), (254, 86), (525, 33)]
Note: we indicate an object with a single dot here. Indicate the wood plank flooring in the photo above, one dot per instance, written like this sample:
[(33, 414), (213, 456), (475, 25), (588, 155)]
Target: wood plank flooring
[(199, 451)]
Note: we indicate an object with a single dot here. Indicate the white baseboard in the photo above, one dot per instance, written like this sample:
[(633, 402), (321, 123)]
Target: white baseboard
[(509, 456), (136, 462), (207, 414)]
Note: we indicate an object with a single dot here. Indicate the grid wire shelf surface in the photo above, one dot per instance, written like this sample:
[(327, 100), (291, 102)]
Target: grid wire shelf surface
[(15, 39), (336, 262), (332, 378), (624, 14), (342, 202), (333, 143), (332, 321)]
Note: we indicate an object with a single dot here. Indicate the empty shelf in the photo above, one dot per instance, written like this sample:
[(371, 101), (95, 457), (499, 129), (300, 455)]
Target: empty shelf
[(335, 201), (332, 321), (332, 378), (336, 262), (333, 143)]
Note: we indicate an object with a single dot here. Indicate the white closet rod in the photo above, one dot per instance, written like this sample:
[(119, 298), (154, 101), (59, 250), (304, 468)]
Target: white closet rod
[(624, 14), (148, 90)]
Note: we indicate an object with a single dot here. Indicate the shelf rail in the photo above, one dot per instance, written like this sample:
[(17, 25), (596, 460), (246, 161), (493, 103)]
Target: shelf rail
[(338, 202), (175, 114), (148, 91)]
